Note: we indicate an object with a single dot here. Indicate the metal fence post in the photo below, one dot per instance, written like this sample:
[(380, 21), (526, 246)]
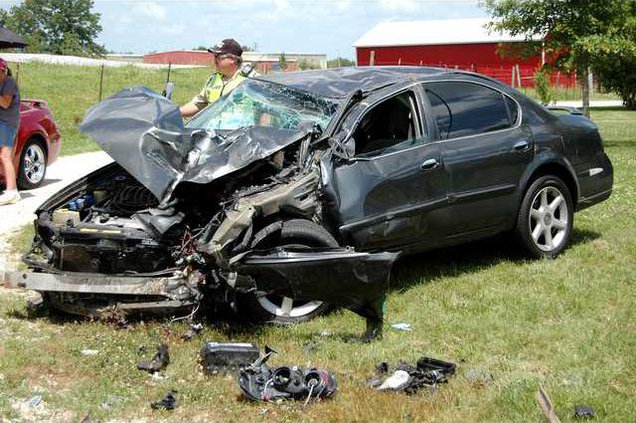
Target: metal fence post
[(101, 83)]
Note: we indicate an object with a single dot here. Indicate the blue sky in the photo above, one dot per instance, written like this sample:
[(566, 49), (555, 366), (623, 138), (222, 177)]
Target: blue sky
[(318, 26)]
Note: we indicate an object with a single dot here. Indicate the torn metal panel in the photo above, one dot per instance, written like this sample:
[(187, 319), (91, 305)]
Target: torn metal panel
[(143, 132), (217, 155), (357, 281), (299, 195)]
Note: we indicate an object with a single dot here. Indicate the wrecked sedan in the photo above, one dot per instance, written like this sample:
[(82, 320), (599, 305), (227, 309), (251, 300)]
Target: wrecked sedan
[(297, 191)]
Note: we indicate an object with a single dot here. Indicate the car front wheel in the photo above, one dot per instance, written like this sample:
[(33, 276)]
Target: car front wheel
[(32, 167), (280, 309), (544, 223)]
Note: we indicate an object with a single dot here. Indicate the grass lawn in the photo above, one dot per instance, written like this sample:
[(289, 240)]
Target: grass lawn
[(568, 325)]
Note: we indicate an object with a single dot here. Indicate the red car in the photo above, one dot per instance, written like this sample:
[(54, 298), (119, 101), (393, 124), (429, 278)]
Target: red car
[(37, 144)]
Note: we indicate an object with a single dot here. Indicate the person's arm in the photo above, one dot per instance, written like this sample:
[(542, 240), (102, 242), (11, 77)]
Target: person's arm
[(5, 101), (188, 110)]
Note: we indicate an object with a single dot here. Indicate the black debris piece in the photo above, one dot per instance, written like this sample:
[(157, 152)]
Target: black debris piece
[(410, 379), (194, 330), (380, 372), (259, 382), (220, 356), (584, 412), (168, 402), (159, 362), (382, 368)]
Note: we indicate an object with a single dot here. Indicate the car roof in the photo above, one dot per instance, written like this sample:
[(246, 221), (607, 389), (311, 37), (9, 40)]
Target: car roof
[(338, 83)]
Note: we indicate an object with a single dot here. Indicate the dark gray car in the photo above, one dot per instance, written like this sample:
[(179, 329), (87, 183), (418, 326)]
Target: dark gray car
[(298, 190)]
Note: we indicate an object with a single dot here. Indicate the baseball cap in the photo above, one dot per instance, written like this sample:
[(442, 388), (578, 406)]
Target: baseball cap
[(3, 64), (227, 46)]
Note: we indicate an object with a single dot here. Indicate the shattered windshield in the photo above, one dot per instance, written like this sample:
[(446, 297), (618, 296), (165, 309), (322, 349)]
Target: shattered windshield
[(260, 103)]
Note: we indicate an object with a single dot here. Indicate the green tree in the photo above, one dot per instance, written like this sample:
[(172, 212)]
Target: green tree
[(304, 64), (339, 62), (282, 61), (57, 26), (573, 32), (542, 85)]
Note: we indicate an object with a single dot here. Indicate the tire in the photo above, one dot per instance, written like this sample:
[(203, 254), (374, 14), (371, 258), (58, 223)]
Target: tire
[(275, 308), (545, 219), (32, 167)]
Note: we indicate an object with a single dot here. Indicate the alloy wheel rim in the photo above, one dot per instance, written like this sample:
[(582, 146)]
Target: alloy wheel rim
[(281, 306), (34, 164), (549, 219)]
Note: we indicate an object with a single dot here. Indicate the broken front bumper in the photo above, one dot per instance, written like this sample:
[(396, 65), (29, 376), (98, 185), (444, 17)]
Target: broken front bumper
[(339, 276), (153, 293)]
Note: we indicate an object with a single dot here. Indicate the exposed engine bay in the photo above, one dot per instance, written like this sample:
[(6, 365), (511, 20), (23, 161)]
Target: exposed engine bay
[(109, 244)]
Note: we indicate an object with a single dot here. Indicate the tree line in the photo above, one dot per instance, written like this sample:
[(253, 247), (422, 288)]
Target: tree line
[(56, 26)]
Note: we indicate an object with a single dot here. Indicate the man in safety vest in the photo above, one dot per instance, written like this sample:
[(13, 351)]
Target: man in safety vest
[(229, 75)]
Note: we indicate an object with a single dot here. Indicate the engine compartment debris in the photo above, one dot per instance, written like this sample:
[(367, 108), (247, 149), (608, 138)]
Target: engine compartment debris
[(427, 372), (223, 356), (259, 382)]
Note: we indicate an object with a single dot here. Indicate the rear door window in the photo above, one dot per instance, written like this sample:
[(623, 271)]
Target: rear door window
[(462, 109)]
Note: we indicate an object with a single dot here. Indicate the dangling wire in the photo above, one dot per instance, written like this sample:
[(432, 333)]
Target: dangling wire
[(311, 390), (188, 316), (264, 397)]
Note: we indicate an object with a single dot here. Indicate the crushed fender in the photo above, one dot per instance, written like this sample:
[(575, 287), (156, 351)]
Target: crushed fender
[(340, 276)]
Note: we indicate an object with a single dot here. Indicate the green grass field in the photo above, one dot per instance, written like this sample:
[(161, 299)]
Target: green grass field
[(568, 325)]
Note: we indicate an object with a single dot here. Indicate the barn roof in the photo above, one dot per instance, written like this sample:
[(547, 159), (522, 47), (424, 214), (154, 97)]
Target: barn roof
[(449, 31)]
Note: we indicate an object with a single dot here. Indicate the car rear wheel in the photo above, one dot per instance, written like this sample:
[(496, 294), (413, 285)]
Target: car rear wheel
[(32, 167), (278, 308), (544, 223)]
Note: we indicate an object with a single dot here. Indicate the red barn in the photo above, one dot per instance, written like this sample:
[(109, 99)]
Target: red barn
[(463, 44)]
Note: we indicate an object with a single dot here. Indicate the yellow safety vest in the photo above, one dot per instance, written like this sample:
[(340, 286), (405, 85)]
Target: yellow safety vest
[(216, 88)]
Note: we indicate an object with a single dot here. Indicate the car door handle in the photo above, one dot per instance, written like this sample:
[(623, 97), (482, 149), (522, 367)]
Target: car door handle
[(429, 164), (521, 146)]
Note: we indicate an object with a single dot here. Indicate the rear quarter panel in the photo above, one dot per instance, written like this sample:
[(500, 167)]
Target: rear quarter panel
[(584, 149)]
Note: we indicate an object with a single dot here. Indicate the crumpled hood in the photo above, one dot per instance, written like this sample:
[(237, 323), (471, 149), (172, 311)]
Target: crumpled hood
[(143, 132)]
